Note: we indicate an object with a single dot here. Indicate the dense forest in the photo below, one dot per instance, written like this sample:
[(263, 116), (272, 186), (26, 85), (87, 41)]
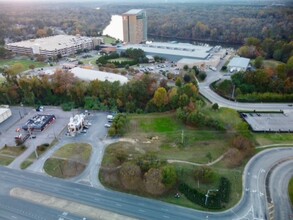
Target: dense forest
[(25, 21), (217, 22), (214, 22)]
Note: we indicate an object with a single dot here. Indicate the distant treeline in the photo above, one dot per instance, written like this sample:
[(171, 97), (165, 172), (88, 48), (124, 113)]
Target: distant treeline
[(211, 22), (217, 22)]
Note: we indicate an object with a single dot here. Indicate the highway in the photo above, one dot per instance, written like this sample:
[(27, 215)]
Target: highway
[(251, 206)]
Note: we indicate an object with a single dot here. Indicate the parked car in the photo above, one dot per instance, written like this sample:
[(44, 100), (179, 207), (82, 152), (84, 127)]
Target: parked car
[(107, 125)]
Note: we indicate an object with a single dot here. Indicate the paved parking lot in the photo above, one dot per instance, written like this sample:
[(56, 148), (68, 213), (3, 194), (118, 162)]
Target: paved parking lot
[(269, 122), (20, 115)]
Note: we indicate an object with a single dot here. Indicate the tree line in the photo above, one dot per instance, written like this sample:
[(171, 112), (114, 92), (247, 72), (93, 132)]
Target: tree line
[(217, 22)]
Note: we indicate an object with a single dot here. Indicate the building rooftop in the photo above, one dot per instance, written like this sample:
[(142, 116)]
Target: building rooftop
[(239, 62), (52, 43), (133, 12), (87, 74), (176, 49)]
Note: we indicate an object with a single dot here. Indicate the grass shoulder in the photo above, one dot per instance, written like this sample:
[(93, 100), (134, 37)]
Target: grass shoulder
[(69, 161), (290, 189)]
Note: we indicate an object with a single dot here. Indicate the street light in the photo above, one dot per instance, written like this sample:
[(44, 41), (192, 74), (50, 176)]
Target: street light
[(207, 195)]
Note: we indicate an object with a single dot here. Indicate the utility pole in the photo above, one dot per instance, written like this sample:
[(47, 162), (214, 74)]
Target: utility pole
[(182, 136)]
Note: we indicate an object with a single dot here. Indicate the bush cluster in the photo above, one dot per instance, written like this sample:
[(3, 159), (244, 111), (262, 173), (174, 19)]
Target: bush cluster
[(215, 199)]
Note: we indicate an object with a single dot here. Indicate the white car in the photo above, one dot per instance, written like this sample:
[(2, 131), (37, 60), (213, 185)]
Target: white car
[(107, 125)]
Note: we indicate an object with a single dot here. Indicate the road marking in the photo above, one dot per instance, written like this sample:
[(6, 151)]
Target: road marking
[(165, 216), (118, 204), (141, 210), (14, 217)]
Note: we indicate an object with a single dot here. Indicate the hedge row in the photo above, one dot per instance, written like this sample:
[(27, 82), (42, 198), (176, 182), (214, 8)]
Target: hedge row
[(265, 97), (215, 199)]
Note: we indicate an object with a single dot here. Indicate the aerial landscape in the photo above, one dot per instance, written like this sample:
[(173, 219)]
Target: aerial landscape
[(158, 109)]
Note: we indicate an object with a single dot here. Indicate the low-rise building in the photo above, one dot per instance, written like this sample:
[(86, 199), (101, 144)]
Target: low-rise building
[(238, 64), (88, 74), (63, 45), (172, 51)]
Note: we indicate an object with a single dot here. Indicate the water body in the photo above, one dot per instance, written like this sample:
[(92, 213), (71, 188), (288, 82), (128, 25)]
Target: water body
[(115, 28)]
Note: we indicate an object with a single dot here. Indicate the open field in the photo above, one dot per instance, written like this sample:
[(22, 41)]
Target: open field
[(121, 59), (25, 62), (166, 137), (109, 40), (69, 161)]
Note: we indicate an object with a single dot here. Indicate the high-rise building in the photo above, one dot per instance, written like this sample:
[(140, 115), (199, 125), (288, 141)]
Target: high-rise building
[(135, 26)]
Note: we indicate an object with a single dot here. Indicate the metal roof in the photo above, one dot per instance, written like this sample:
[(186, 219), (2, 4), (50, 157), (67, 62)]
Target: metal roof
[(87, 74), (239, 62), (175, 49), (53, 43), (133, 12)]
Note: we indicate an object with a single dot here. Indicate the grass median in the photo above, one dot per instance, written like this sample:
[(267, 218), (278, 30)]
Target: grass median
[(69, 161)]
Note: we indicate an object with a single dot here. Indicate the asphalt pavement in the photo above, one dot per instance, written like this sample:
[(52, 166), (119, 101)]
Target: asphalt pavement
[(252, 205)]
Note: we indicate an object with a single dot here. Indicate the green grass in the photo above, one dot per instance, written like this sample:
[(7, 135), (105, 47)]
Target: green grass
[(70, 160), (273, 138), (26, 164), (121, 59), (152, 123), (80, 151), (12, 151), (4, 160), (290, 190), (25, 62), (109, 40)]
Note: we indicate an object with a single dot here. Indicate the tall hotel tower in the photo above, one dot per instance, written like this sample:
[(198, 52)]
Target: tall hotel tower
[(135, 26)]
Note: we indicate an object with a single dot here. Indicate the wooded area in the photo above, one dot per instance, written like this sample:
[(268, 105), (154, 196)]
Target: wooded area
[(216, 22), (208, 22)]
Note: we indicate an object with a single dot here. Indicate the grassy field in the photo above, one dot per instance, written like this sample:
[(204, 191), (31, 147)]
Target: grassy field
[(69, 161), (290, 189), (121, 59), (109, 40), (25, 62), (273, 138), (168, 138), (5, 160)]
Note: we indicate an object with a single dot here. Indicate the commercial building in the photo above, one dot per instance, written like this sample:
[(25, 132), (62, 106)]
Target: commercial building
[(238, 64), (38, 122), (64, 45), (87, 74), (172, 51), (5, 113), (76, 124), (134, 26)]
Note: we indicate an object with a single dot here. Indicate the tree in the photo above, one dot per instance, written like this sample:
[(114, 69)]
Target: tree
[(215, 106), (258, 62), (153, 182), (187, 78), (130, 176), (169, 176), (205, 174), (160, 98), (185, 67)]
